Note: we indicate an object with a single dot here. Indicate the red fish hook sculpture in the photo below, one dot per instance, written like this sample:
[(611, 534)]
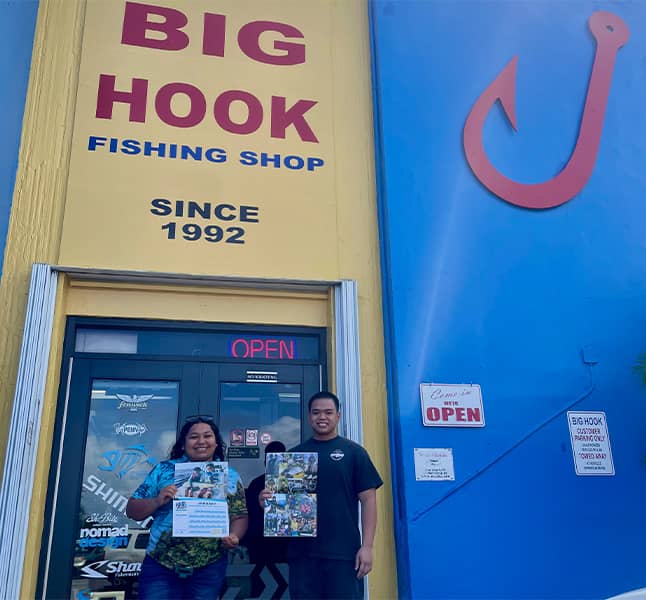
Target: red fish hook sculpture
[(610, 33)]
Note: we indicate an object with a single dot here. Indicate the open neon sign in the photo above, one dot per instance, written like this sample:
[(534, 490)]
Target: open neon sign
[(268, 348)]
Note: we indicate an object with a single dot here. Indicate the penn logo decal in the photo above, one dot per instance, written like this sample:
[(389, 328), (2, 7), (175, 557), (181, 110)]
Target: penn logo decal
[(336, 455)]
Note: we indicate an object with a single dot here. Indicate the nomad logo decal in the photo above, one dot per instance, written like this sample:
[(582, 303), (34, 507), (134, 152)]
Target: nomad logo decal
[(103, 537), (336, 454), (610, 33)]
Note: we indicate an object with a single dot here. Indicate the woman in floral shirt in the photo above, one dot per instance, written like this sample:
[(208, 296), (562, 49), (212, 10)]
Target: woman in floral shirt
[(183, 567)]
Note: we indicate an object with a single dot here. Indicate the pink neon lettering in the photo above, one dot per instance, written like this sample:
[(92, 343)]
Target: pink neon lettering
[(234, 346), (271, 349), (256, 348), (285, 350)]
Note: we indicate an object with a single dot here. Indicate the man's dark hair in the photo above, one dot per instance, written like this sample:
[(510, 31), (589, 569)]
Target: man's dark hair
[(322, 396)]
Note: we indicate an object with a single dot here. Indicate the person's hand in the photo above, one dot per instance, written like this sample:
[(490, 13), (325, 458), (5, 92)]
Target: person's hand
[(166, 494), (264, 495), (231, 541), (363, 562)]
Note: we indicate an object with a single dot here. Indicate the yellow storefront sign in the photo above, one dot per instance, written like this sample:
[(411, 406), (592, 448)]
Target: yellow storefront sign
[(204, 140)]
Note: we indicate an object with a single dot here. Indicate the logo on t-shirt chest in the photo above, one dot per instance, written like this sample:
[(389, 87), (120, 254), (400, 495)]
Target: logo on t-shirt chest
[(337, 455)]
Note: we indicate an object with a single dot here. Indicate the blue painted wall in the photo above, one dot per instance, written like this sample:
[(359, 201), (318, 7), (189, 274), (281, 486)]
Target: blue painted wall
[(520, 301), (17, 23)]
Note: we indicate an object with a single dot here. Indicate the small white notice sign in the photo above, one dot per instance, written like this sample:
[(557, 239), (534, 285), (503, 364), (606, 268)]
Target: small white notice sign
[(451, 405), (590, 443), (434, 464)]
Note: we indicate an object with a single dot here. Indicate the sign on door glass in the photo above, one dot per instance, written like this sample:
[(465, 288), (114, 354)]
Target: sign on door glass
[(254, 414)]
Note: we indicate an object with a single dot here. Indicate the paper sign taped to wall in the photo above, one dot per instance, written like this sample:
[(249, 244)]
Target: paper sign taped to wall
[(434, 464)]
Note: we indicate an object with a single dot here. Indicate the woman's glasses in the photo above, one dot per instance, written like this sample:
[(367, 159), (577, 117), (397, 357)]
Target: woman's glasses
[(200, 419)]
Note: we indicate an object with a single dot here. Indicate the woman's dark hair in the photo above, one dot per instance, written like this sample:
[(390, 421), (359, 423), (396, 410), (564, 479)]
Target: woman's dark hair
[(177, 451)]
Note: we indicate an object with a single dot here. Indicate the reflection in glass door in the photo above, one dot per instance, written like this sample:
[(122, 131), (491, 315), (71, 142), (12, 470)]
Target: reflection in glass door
[(254, 414), (131, 426), (119, 419), (259, 404)]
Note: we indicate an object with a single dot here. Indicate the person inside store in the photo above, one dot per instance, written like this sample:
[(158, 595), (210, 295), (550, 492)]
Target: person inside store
[(263, 552), (334, 563), (186, 567)]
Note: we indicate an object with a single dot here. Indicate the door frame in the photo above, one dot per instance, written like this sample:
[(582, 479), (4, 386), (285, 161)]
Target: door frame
[(24, 430), (64, 485), (195, 378)]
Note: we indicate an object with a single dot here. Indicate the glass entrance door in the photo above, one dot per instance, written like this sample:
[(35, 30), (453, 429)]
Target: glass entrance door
[(118, 417), (259, 405)]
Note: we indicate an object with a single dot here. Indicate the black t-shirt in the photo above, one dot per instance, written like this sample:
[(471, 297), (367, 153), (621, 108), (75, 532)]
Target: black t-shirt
[(344, 470)]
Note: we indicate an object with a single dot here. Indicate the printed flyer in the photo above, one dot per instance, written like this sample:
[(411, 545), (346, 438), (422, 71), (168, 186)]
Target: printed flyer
[(291, 511), (200, 507)]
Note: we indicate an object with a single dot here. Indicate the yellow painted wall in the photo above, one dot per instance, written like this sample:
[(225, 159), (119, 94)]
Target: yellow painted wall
[(318, 225), (190, 303), (41, 179)]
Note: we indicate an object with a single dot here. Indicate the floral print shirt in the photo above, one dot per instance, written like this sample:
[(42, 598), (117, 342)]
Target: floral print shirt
[(172, 552)]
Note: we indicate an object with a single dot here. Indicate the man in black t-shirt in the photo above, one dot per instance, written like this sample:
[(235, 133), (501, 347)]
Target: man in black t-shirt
[(333, 564)]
